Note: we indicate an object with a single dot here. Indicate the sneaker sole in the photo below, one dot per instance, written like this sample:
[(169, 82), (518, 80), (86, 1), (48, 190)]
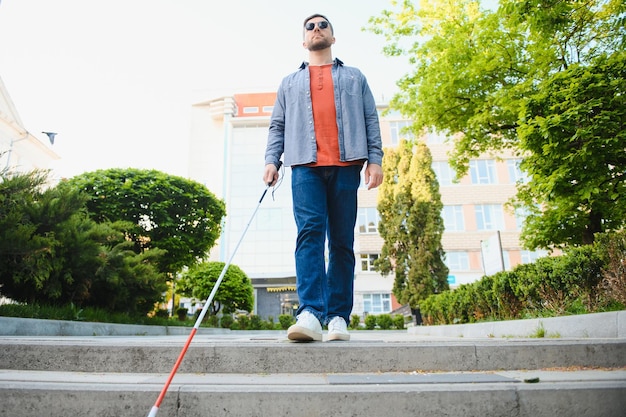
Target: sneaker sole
[(302, 334), (338, 336)]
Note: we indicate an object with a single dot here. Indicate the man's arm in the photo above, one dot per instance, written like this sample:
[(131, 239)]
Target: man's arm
[(275, 140)]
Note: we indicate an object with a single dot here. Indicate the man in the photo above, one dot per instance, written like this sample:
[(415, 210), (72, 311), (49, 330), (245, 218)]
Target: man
[(326, 124)]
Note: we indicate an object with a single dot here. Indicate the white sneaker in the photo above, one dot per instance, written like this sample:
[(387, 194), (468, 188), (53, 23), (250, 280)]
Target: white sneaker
[(338, 330), (306, 329)]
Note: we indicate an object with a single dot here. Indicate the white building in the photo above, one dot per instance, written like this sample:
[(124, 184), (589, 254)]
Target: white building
[(19, 149)]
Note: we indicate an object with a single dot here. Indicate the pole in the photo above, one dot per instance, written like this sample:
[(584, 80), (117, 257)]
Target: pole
[(157, 404)]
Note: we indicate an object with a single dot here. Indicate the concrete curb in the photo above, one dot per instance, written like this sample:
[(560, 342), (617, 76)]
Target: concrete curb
[(594, 326), (13, 326)]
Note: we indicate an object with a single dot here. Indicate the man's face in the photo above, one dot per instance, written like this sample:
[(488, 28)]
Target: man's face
[(315, 37)]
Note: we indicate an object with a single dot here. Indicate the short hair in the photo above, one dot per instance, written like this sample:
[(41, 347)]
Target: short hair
[(323, 17)]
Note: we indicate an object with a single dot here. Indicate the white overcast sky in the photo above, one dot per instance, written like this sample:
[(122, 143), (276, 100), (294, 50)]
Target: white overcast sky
[(116, 79)]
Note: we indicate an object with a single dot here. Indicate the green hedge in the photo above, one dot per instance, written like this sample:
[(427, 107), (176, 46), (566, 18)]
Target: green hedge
[(583, 280)]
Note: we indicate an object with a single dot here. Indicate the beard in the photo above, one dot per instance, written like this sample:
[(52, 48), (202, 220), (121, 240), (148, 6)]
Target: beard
[(319, 44)]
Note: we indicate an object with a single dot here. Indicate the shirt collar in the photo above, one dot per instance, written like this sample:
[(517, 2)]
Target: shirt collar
[(336, 61)]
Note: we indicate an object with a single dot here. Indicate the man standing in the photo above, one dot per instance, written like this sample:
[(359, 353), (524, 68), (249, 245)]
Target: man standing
[(326, 124)]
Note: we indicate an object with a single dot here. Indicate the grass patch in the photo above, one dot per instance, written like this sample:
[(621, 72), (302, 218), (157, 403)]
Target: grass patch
[(541, 332)]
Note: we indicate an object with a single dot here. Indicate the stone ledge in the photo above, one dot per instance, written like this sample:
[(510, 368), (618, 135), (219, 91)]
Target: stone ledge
[(15, 326), (608, 325), (595, 326)]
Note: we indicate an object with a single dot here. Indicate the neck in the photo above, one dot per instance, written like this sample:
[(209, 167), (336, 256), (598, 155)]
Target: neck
[(323, 57)]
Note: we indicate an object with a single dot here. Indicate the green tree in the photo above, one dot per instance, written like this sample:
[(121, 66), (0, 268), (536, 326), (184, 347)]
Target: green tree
[(126, 281), (411, 226), (24, 254), (480, 75), (51, 252), (177, 215), (573, 125), (235, 291)]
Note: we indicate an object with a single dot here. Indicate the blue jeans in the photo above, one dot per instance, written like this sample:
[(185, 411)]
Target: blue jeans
[(325, 206)]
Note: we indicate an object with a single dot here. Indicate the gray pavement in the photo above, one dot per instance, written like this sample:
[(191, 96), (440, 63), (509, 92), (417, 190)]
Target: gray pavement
[(492, 394), (15, 377), (261, 373), (273, 353)]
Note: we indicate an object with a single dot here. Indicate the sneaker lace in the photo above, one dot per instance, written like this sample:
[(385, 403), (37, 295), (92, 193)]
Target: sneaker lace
[(337, 324)]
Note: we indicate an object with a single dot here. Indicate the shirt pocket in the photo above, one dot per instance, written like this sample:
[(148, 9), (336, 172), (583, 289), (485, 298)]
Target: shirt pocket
[(350, 85), (296, 94)]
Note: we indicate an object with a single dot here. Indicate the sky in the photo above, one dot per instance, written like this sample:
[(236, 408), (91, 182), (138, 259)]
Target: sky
[(116, 79)]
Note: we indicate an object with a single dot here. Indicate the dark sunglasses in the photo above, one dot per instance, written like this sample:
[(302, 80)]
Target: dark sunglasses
[(322, 25)]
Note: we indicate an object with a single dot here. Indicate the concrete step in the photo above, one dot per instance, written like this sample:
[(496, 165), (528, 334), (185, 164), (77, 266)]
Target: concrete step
[(272, 353), (551, 393), (377, 373)]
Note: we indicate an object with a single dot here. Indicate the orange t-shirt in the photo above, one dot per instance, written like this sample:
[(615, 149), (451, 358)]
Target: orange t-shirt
[(325, 117)]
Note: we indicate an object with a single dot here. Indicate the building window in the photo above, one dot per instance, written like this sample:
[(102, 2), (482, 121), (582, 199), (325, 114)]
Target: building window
[(457, 261), (376, 303), (444, 172), (367, 261), (437, 138), (249, 110), (531, 256), (367, 220), (489, 217), (515, 173), (453, 218), (483, 171), (520, 217), (399, 131), (268, 109)]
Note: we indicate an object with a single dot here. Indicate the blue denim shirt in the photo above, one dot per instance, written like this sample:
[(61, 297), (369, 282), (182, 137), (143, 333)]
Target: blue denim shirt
[(292, 131)]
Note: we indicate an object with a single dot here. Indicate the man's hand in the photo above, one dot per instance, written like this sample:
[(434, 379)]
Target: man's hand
[(270, 176), (373, 175)]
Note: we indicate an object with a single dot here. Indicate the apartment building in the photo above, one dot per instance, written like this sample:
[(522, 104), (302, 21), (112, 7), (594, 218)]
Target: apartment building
[(227, 146), (19, 149)]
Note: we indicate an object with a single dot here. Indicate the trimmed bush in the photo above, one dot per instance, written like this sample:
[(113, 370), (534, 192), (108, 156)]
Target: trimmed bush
[(577, 282), (384, 321), (256, 322), (286, 320), (226, 321), (243, 322), (355, 321), (370, 322), (398, 321)]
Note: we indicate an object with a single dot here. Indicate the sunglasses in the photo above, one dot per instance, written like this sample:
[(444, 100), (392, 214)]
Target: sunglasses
[(322, 25)]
